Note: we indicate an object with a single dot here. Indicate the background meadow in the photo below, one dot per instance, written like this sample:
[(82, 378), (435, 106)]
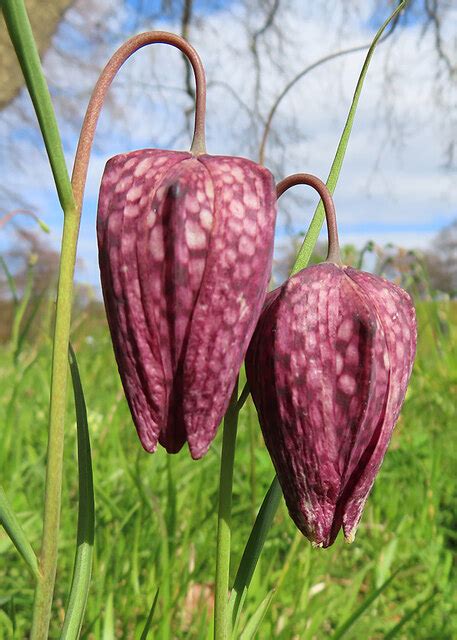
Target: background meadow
[(155, 515)]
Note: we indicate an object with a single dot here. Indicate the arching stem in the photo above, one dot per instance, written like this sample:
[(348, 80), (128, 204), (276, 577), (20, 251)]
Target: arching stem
[(101, 88), (333, 253)]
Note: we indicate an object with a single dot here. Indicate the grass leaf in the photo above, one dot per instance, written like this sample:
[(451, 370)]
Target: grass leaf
[(393, 633), (147, 626), (21, 35), (9, 280), (256, 620), (254, 548), (15, 531), (86, 515)]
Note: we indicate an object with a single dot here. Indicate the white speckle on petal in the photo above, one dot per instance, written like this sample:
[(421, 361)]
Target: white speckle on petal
[(134, 193), (246, 246), (347, 384), (142, 167), (195, 236), (345, 330), (206, 219)]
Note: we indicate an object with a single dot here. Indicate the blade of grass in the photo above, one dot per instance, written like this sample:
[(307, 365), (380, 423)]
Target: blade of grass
[(256, 619), (108, 623), (29, 321), (82, 569), (21, 309), (147, 626), (314, 229), (15, 531), (352, 619), (254, 548), (21, 35)]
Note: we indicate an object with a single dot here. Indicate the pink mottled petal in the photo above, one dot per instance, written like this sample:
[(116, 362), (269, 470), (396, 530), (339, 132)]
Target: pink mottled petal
[(127, 184), (397, 317), (232, 293)]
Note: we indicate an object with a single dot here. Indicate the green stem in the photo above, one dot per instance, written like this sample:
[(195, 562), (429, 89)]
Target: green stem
[(221, 618), (48, 556)]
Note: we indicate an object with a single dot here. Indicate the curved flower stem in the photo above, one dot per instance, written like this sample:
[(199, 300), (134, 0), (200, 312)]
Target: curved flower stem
[(333, 253), (101, 88), (221, 618)]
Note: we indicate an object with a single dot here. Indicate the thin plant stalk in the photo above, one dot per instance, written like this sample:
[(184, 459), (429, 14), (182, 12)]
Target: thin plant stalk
[(59, 382), (221, 614)]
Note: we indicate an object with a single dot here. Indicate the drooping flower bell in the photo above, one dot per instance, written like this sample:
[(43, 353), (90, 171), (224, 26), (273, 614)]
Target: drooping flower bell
[(185, 248), (328, 368)]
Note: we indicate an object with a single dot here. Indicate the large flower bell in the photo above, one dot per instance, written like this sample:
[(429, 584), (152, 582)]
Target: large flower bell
[(185, 246)]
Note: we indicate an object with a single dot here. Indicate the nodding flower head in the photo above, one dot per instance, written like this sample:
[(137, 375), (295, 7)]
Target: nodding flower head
[(185, 248), (328, 368)]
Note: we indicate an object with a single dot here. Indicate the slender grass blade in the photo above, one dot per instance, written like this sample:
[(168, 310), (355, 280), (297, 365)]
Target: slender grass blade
[(256, 620), (15, 531), (147, 626), (86, 515)]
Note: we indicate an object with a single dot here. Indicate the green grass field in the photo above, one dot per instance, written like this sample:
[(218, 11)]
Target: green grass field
[(156, 522)]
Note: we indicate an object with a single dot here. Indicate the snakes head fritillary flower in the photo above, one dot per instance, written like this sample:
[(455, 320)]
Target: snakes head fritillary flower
[(328, 368)]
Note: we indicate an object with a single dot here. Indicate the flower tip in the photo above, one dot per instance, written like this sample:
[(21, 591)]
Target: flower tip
[(349, 536)]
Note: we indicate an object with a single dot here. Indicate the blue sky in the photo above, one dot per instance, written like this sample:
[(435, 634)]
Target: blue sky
[(393, 187)]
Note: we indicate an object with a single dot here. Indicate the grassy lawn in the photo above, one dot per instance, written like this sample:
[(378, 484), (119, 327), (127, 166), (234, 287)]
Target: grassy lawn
[(156, 514)]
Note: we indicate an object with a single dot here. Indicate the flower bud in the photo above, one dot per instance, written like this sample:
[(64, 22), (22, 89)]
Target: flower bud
[(328, 368), (185, 248)]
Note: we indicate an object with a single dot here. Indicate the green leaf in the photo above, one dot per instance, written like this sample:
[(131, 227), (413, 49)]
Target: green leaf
[(21, 35), (86, 515), (352, 619), (13, 528), (147, 626), (254, 548), (256, 620), (316, 224)]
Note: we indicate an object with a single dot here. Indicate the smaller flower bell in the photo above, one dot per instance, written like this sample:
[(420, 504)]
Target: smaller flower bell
[(328, 368)]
